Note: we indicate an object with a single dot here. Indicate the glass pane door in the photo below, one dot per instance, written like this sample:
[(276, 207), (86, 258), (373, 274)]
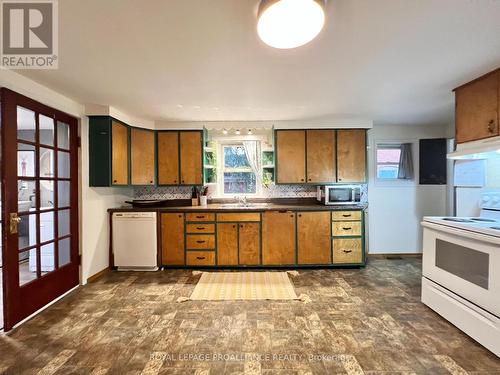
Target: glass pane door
[(40, 211)]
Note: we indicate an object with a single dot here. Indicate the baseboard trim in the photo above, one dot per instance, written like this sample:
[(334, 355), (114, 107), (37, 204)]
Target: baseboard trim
[(98, 275), (394, 255)]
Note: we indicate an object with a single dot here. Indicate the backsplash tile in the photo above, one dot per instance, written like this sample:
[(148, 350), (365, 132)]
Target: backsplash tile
[(273, 191)]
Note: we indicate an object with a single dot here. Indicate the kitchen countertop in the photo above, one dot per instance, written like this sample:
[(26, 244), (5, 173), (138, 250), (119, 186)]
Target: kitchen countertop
[(223, 207)]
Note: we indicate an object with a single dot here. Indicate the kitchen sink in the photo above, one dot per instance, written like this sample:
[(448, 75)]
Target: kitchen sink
[(245, 206)]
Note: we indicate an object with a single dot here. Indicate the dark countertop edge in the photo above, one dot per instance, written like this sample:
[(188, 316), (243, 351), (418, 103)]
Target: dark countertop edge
[(237, 209)]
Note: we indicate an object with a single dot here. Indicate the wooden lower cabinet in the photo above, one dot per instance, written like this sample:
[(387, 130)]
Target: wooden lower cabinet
[(347, 250), (172, 239), (227, 244), (313, 238), (278, 238), (249, 244)]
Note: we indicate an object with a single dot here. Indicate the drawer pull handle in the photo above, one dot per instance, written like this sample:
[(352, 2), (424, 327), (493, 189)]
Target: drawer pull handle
[(200, 228), (200, 217), (200, 258), (346, 215), (348, 228), (200, 241), (347, 251)]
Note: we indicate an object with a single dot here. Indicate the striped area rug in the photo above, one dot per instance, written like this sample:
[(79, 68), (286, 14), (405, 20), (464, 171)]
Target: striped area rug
[(223, 286)]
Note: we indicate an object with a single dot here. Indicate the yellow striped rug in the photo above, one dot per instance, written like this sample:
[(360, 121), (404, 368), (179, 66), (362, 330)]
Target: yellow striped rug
[(223, 286)]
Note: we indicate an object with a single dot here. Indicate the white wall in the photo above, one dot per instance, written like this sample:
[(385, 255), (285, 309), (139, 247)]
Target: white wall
[(94, 202), (397, 208)]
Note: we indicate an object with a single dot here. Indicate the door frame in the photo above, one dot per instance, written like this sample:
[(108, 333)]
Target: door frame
[(34, 295)]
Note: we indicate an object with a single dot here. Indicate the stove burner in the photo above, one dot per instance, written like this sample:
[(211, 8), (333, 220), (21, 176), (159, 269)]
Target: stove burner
[(458, 220), (481, 219)]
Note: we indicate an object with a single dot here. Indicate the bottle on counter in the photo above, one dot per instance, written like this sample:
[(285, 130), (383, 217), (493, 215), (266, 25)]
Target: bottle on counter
[(194, 197)]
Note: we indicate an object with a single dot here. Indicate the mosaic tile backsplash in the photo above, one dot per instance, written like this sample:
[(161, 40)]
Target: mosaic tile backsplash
[(273, 191)]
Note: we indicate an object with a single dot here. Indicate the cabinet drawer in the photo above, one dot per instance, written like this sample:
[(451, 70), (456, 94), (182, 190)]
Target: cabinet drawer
[(247, 216), (200, 241), (200, 228), (346, 228), (346, 215), (200, 216), (347, 251), (200, 258)]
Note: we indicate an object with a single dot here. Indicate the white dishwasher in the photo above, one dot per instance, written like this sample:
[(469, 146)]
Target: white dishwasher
[(135, 241)]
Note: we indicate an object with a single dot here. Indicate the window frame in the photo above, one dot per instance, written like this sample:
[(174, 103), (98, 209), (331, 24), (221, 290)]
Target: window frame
[(386, 182), (222, 169), (385, 146)]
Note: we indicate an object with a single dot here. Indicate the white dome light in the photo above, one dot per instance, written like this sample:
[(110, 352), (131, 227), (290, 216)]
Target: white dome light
[(290, 23)]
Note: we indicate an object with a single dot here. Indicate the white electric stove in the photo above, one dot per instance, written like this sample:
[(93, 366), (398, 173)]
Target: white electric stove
[(461, 271)]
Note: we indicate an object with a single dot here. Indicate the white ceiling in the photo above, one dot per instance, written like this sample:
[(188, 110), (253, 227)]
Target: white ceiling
[(392, 61)]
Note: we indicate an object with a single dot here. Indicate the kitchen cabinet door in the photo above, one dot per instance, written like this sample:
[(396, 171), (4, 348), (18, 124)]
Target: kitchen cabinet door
[(119, 153), (142, 156), (190, 150), (168, 158), (313, 238), (249, 241), (351, 155), (172, 239), (291, 156), (476, 109), (227, 244), (321, 156), (278, 238)]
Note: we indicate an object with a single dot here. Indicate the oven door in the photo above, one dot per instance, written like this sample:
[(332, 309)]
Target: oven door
[(466, 263)]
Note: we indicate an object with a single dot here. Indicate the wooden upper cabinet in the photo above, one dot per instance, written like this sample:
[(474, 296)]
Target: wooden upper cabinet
[(227, 244), (119, 153), (172, 239), (278, 238), (142, 156), (321, 156), (477, 109), (249, 244), (190, 151), (291, 156), (313, 238), (351, 155), (168, 157)]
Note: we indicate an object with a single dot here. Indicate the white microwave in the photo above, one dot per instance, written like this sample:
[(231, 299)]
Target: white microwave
[(339, 194)]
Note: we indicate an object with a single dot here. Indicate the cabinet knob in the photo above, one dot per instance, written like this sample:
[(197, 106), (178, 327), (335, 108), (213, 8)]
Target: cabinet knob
[(491, 126), (301, 179), (150, 182), (346, 228), (200, 258), (300, 215), (200, 241), (309, 179), (180, 215), (182, 181), (347, 251), (234, 226), (114, 181), (200, 228), (291, 215), (241, 226), (175, 181)]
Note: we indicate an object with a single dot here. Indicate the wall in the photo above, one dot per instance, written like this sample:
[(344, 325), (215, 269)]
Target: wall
[(396, 209), (94, 228)]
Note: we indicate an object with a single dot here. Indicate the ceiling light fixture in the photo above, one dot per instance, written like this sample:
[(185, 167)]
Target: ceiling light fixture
[(237, 132), (290, 23), (249, 132), (224, 131)]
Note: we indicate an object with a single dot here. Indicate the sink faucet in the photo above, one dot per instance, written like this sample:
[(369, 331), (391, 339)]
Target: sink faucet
[(242, 199)]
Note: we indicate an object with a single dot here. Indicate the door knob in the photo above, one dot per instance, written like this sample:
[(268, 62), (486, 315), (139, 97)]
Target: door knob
[(14, 222)]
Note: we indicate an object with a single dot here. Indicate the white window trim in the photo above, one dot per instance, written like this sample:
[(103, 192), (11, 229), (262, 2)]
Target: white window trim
[(395, 182), (220, 172)]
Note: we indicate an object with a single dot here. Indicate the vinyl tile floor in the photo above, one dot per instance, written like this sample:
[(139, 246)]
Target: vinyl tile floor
[(359, 321)]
